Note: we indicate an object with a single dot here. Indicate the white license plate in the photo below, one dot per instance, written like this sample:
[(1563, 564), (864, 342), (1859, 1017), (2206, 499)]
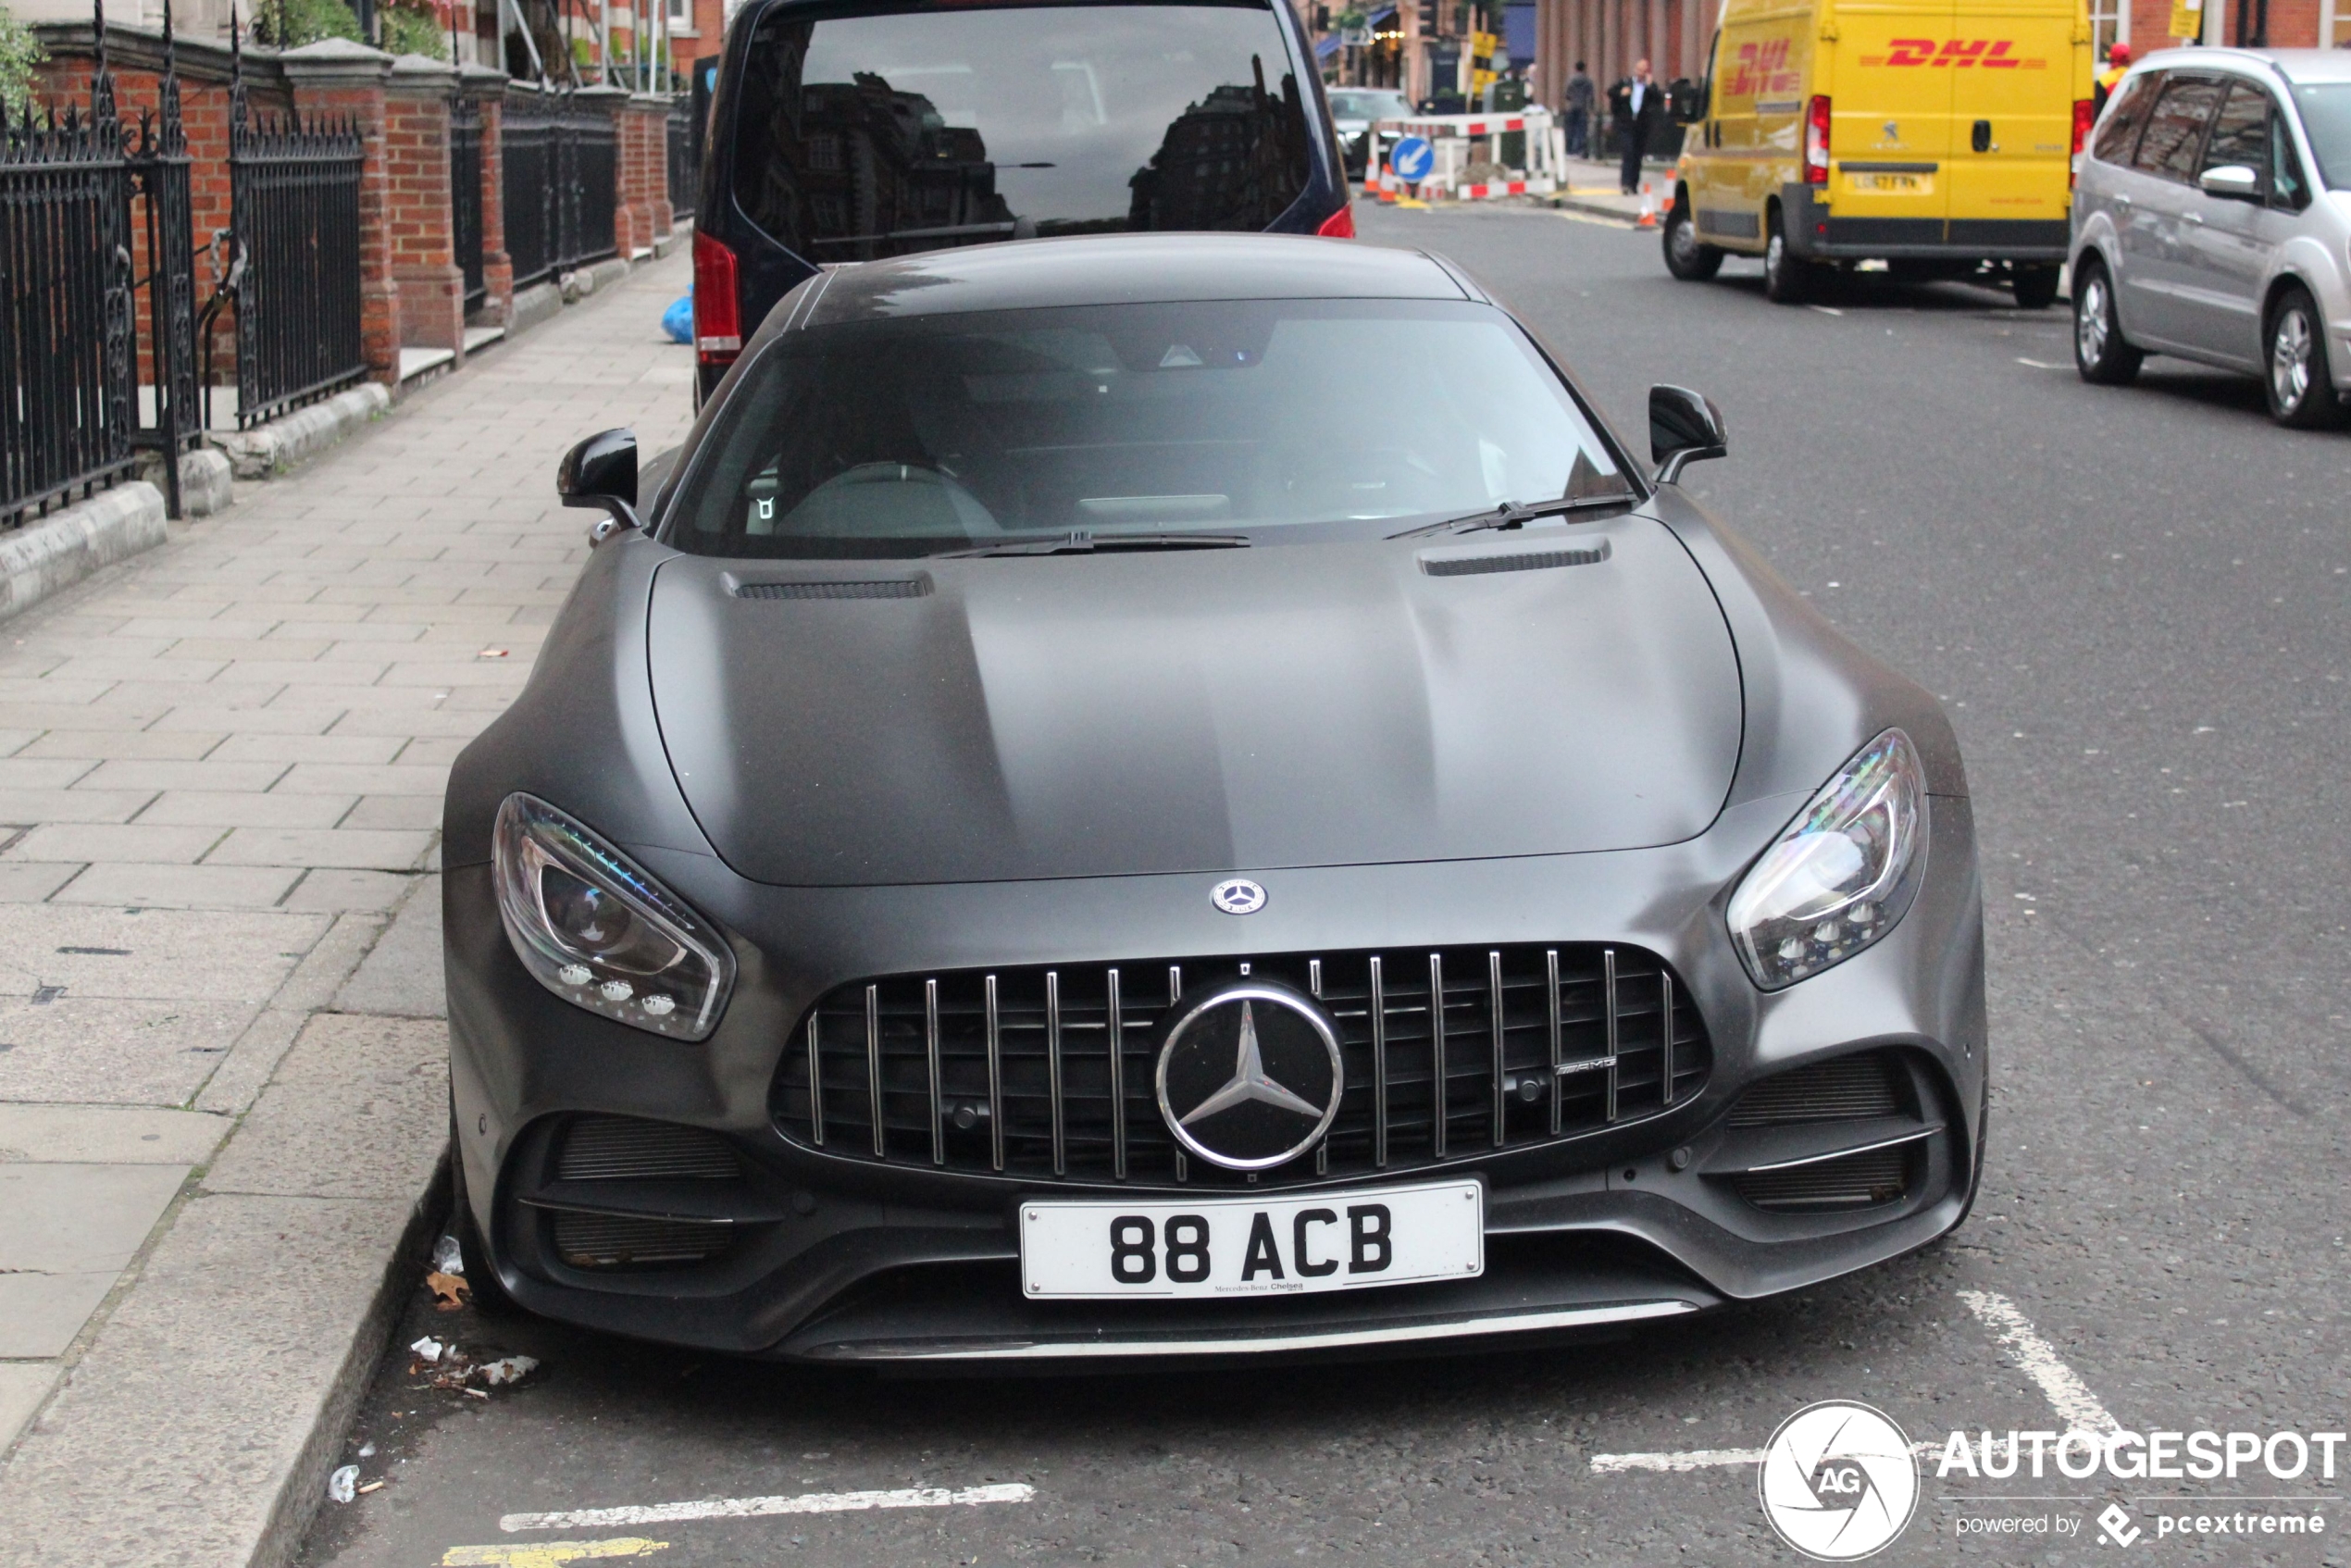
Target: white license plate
[(1222, 1247), (1905, 184)]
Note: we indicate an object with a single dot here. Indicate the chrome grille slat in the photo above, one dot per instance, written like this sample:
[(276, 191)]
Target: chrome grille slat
[(1013, 1070)]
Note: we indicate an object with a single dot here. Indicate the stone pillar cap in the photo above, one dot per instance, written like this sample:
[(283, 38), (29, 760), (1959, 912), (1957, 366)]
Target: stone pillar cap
[(605, 94), (423, 71), (475, 77), (334, 61)]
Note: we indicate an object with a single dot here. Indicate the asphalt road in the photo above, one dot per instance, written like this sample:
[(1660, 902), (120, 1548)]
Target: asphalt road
[(2135, 602)]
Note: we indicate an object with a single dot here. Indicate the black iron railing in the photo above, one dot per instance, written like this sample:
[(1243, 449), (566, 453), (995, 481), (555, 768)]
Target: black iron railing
[(685, 167), (66, 347), (294, 212), (562, 182), (159, 164), (465, 195)]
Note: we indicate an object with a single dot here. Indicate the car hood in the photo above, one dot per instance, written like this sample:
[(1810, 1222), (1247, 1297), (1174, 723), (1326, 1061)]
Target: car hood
[(856, 723)]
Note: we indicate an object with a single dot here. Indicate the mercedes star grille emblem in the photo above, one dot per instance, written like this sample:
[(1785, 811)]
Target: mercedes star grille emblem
[(1238, 896), (1250, 1075)]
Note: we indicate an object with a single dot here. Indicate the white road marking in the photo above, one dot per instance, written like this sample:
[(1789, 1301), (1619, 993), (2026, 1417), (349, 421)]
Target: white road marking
[(2061, 1384), (1699, 1458), (757, 1508), (2042, 364), (2070, 1396)]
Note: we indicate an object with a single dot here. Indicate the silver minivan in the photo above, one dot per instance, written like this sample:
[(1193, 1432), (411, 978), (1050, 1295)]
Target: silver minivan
[(2212, 220)]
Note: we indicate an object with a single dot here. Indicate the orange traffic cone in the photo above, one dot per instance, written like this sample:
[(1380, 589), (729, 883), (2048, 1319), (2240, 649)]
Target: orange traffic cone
[(1386, 185), (1649, 208)]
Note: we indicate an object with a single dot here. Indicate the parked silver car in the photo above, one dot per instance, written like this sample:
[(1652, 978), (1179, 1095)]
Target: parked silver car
[(2213, 222)]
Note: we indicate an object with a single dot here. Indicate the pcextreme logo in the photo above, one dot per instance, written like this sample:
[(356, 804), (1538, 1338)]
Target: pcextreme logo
[(1991, 54)]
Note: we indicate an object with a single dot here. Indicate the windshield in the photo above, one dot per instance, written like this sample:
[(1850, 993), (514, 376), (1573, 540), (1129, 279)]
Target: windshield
[(2326, 120), (1369, 105), (890, 130), (1236, 417)]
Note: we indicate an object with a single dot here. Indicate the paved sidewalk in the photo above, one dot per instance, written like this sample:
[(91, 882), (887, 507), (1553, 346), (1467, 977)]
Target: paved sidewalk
[(222, 1079)]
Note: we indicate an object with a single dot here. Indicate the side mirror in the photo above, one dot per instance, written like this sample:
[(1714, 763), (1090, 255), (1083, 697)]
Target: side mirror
[(1688, 100), (601, 472), (2232, 182), (1684, 428)]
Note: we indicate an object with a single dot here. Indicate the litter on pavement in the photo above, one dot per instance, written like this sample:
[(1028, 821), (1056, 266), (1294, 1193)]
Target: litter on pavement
[(343, 1485)]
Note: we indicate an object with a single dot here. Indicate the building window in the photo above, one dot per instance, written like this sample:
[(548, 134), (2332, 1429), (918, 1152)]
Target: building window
[(2111, 24), (2335, 24), (681, 13)]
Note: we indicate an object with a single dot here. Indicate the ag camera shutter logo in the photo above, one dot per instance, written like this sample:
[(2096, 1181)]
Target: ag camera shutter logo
[(1838, 1481)]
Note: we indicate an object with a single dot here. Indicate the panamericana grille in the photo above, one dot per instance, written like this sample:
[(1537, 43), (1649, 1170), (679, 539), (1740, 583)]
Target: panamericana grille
[(1014, 1070)]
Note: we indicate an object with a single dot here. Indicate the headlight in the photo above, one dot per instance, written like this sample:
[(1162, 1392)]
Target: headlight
[(1840, 875), (593, 928)]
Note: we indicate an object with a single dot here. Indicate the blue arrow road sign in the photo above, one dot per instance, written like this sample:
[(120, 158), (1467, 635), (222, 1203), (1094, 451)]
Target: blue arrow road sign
[(1412, 159)]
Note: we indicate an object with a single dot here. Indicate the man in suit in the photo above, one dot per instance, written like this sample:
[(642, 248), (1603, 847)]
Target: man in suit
[(1640, 109)]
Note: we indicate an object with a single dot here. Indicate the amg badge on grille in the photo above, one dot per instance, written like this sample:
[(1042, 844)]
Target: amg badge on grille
[(1238, 896), (1250, 1075)]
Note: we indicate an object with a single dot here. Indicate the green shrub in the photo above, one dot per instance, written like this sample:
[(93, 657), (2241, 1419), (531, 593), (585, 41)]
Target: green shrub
[(410, 31), (289, 24), (20, 52)]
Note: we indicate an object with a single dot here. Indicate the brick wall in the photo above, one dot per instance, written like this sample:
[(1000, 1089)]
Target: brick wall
[(421, 240)]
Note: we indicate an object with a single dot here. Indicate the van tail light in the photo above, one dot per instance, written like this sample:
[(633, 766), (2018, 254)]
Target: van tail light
[(718, 308), (1339, 225), (2086, 112), (1816, 141)]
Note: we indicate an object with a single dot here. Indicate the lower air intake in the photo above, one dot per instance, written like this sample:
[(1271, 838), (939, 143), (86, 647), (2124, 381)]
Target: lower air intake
[(1856, 1181), (625, 1149), (606, 1241), (1844, 1088)]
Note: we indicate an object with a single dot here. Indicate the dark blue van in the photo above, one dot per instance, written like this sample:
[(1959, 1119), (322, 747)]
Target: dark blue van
[(850, 130)]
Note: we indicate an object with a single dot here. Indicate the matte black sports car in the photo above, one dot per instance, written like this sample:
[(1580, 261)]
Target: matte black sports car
[(1040, 834)]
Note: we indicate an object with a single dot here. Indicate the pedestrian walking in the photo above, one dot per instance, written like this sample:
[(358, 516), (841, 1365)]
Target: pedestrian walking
[(2117, 64), (1638, 107), (1581, 95)]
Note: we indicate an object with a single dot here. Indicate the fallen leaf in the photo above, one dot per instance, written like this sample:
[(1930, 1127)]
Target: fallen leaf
[(449, 1291)]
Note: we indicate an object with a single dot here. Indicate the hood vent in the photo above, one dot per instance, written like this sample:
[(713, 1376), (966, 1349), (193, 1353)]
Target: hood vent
[(899, 588), (1589, 554)]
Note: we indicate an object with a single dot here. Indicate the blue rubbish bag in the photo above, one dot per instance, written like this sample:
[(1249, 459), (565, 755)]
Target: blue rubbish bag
[(679, 320)]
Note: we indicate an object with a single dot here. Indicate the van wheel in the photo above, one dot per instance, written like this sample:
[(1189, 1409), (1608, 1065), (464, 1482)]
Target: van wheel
[(2100, 352), (1685, 256), (2300, 382), (1788, 277), (2036, 287)]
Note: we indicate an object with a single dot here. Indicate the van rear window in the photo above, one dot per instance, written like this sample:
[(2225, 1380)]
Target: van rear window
[(877, 131)]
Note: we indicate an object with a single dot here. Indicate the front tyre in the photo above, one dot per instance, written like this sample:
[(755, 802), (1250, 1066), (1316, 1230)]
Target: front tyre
[(2100, 352), (482, 1286), (1685, 256), (2300, 382), (2036, 287)]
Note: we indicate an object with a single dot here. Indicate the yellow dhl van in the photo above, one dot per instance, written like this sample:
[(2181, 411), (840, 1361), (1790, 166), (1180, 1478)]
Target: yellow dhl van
[(1936, 135)]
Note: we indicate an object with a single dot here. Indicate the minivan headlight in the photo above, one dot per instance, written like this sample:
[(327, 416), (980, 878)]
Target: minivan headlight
[(591, 926), (1842, 874)]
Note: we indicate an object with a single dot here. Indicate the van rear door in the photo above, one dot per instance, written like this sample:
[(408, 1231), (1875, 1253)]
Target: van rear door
[(2012, 91), (1889, 138)]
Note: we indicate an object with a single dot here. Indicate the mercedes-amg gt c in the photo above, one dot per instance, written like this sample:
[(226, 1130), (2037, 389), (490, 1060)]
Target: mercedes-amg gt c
[(1045, 830)]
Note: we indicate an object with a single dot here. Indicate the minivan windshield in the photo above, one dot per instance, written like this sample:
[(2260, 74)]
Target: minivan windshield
[(1368, 106), (1247, 420), (2326, 118), (869, 131)]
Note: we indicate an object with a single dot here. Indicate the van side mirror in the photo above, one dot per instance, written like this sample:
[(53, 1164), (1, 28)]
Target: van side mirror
[(1684, 428), (601, 472), (1688, 100), (2232, 182)]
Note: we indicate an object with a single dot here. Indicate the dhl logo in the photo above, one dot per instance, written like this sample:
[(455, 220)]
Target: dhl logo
[(1759, 69), (1991, 54)]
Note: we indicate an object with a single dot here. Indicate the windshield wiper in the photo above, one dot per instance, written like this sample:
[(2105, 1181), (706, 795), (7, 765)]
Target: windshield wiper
[(1078, 541), (1512, 514)]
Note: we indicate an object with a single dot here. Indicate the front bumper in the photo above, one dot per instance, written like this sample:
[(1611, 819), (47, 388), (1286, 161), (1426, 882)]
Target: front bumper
[(840, 1257)]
